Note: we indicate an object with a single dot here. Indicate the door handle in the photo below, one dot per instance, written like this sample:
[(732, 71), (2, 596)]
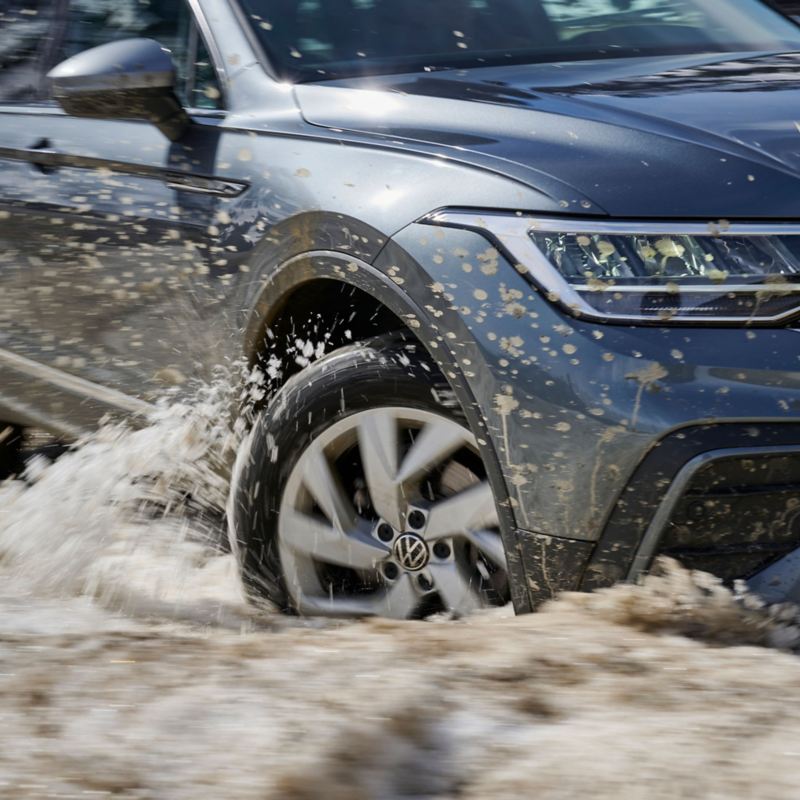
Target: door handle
[(43, 158)]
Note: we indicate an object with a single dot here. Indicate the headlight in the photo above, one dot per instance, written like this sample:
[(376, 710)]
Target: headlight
[(653, 272)]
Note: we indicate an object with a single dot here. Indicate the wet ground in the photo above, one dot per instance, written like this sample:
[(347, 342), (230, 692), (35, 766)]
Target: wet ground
[(131, 668)]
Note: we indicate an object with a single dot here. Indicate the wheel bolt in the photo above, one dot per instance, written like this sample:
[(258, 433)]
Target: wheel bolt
[(416, 520), (385, 532), (441, 550), (425, 583), (390, 570)]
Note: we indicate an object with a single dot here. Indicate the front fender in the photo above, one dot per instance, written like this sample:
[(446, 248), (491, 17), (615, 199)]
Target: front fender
[(389, 289)]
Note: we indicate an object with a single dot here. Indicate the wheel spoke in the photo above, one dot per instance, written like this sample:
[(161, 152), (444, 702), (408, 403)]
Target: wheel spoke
[(400, 600), (320, 540), (377, 441), (325, 487), (433, 445), (454, 588), (471, 509), (490, 543)]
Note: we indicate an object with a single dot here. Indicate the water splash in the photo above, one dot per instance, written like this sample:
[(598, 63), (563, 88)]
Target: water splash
[(130, 666), (131, 516)]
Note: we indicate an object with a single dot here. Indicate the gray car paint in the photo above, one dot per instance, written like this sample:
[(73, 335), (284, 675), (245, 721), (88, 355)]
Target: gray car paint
[(116, 282)]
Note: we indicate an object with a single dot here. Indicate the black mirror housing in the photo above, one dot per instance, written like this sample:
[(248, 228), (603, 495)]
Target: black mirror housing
[(128, 79)]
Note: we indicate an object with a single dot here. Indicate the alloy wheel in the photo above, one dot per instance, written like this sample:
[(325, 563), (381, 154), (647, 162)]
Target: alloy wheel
[(388, 512)]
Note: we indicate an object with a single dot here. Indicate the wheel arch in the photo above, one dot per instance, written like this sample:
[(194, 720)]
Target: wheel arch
[(319, 270), (314, 272)]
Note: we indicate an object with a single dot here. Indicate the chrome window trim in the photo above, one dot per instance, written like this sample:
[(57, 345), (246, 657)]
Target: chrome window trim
[(512, 234)]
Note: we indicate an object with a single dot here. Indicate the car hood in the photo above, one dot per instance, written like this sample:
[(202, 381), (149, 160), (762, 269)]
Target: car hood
[(697, 137)]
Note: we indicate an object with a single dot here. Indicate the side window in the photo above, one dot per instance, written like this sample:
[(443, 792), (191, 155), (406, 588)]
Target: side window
[(25, 43), (202, 87), (91, 23)]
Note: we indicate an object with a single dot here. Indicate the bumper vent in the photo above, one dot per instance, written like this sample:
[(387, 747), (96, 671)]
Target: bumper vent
[(737, 516)]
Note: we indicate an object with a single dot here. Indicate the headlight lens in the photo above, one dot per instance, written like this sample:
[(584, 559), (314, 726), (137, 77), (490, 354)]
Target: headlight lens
[(669, 275), (655, 272)]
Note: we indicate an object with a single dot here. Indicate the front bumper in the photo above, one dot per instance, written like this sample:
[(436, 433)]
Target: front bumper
[(593, 424), (724, 498)]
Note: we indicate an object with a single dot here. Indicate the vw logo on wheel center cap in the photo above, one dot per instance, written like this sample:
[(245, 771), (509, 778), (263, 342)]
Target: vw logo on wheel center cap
[(411, 552)]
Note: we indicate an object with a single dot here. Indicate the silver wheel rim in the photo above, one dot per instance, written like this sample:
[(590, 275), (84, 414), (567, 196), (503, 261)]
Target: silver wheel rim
[(380, 516)]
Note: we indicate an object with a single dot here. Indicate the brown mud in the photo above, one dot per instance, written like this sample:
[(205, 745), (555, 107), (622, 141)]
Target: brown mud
[(131, 668)]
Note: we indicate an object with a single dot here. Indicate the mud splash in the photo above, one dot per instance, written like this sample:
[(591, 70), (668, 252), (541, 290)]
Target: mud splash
[(131, 517), (131, 668)]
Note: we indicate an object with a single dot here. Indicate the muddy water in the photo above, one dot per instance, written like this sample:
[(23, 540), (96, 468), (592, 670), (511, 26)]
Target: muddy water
[(131, 668)]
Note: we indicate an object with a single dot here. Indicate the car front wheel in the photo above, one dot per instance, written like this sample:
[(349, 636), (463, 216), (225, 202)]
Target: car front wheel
[(360, 491)]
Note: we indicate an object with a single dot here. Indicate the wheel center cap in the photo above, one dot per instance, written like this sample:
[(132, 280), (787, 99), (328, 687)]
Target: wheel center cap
[(411, 552)]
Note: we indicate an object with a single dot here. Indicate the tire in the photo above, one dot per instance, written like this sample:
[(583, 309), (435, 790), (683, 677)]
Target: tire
[(11, 460), (350, 390)]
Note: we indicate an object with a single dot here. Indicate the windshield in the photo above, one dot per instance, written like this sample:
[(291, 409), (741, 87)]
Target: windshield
[(323, 39)]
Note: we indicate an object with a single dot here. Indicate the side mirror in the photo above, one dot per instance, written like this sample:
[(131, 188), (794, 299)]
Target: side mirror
[(128, 79)]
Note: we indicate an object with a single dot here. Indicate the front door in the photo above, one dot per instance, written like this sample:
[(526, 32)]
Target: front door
[(107, 229)]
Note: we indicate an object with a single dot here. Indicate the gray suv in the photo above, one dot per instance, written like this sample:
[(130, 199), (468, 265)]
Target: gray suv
[(521, 277)]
